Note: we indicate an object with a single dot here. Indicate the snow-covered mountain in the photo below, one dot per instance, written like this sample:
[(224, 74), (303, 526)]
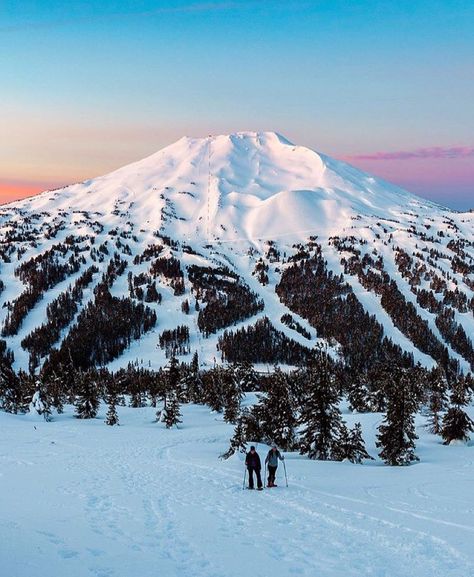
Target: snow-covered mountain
[(235, 240)]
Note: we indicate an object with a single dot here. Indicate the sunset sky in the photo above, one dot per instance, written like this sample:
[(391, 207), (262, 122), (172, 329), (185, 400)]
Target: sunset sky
[(87, 87)]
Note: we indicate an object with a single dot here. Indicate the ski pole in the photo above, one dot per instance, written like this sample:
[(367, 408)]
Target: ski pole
[(245, 475), (265, 476), (286, 478)]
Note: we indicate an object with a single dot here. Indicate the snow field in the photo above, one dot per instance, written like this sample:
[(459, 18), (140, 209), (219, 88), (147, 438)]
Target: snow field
[(81, 499)]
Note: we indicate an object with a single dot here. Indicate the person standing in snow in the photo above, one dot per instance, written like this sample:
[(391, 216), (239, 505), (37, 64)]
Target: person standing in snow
[(253, 464), (272, 462)]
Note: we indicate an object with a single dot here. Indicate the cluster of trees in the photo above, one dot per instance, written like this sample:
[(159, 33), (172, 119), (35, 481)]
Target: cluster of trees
[(294, 325), (227, 299), (404, 314), (261, 343), (170, 268), (299, 410), (329, 304), (40, 273), (59, 314), (149, 293), (103, 330), (175, 341)]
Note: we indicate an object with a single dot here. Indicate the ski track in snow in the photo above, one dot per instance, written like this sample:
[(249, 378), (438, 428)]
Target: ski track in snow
[(83, 499)]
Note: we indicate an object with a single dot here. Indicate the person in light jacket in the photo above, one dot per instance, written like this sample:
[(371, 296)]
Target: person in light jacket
[(272, 462)]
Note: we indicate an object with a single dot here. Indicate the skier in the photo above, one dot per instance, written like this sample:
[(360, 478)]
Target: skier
[(252, 462), (272, 462)]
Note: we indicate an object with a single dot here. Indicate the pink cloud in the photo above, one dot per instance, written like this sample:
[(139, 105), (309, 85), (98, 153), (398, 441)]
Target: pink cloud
[(432, 152)]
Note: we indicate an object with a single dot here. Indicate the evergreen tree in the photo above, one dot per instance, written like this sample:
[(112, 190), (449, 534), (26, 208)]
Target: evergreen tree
[(171, 414), (237, 441), (192, 383), (112, 416), (358, 394), (350, 445), (276, 411), (247, 430), (11, 399), (40, 403), (437, 398), (397, 434), (320, 415), (87, 399), (232, 395), (457, 424)]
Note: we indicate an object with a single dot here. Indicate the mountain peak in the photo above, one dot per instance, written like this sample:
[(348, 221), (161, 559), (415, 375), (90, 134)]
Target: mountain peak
[(243, 185)]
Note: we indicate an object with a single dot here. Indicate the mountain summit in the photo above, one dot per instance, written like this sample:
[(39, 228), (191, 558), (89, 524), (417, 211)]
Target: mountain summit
[(242, 186), (240, 247)]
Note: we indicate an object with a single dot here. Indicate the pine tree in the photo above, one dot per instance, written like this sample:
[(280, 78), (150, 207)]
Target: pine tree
[(232, 395), (358, 395), (11, 399), (437, 398), (112, 416), (276, 411), (457, 424), (40, 404), (397, 434), (320, 415), (237, 441), (87, 399), (171, 414), (350, 445), (192, 383)]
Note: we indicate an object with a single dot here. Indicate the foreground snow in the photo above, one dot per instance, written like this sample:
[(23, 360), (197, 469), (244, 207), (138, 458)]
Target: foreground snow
[(82, 499)]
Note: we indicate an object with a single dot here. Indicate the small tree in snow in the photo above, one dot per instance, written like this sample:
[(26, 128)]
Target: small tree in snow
[(437, 398), (350, 445), (397, 434), (87, 400), (112, 416), (40, 403), (457, 424), (171, 414)]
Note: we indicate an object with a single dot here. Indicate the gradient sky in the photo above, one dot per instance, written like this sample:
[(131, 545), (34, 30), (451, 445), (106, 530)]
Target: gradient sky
[(89, 86)]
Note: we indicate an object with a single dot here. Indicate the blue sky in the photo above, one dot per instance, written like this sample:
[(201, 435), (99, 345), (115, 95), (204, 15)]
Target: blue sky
[(89, 86)]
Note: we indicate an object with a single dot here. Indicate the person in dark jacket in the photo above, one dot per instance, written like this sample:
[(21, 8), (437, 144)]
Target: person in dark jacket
[(272, 462), (252, 462)]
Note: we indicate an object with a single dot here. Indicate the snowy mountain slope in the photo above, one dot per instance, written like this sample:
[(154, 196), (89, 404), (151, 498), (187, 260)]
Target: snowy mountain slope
[(252, 204), (83, 499)]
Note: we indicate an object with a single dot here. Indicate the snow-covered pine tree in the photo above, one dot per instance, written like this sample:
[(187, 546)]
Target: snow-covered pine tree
[(276, 411), (437, 398), (246, 376), (87, 398), (457, 424), (351, 446), (171, 414), (40, 404), (397, 436), (112, 416), (320, 415)]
